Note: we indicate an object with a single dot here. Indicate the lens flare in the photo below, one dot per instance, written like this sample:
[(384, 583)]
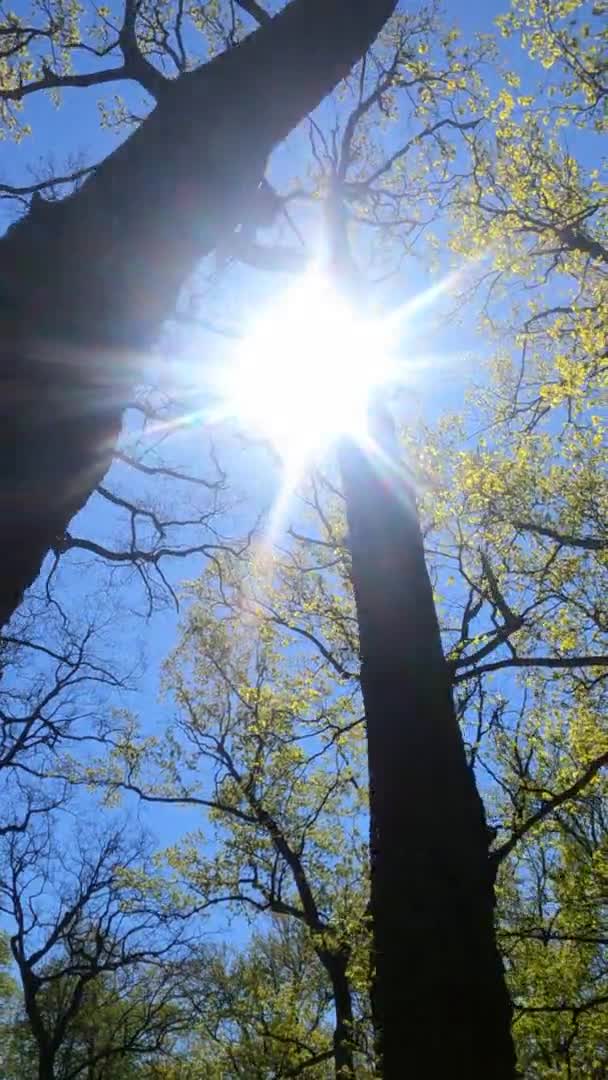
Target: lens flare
[(304, 373)]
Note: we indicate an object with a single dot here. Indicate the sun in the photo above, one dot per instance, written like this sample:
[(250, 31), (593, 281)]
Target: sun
[(303, 374)]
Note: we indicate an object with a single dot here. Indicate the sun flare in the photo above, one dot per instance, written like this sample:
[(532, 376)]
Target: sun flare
[(304, 373)]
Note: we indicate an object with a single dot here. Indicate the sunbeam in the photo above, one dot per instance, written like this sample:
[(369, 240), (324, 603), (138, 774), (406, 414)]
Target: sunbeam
[(303, 375)]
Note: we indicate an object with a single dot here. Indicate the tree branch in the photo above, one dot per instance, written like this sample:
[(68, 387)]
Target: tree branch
[(548, 806), (256, 11), (563, 662), (51, 81), (586, 543), (317, 1059), (136, 65)]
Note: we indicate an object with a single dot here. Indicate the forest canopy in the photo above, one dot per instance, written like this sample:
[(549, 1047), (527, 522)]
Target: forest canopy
[(184, 842)]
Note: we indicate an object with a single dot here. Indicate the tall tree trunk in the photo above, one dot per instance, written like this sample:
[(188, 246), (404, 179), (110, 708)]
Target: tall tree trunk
[(86, 290), (440, 997)]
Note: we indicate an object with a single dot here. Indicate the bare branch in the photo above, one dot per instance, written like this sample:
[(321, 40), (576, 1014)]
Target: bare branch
[(567, 663), (256, 11), (586, 543), (136, 65)]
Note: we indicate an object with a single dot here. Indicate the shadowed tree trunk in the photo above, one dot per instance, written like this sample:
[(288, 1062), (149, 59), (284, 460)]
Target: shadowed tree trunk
[(336, 964), (440, 1001), (343, 1033), (84, 292), (46, 1070)]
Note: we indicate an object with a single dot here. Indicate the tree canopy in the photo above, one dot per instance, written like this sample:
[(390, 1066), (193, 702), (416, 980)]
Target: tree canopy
[(241, 946)]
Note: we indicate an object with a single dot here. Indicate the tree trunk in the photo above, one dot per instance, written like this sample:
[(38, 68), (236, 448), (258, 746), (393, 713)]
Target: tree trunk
[(440, 998), (335, 964), (84, 291), (46, 1067)]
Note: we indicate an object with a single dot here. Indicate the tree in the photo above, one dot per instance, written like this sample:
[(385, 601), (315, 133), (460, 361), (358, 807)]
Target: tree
[(93, 956), (515, 517), (75, 338), (434, 85), (525, 604), (8, 1005), (431, 886), (113, 1034), (481, 978), (432, 900), (246, 734), (513, 527), (263, 1011)]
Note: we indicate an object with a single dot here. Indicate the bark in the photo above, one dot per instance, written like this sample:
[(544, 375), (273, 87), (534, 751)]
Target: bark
[(440, 1000), (85, 290)]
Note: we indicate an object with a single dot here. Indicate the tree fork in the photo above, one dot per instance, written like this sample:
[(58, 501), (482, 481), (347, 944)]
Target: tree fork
[(85, 291), (440, 1000)]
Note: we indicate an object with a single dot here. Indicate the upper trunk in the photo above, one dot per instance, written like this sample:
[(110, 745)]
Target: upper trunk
[(440, 1000), (89, 286)]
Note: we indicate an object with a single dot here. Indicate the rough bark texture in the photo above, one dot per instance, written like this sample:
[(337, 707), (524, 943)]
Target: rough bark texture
[(440, 1000), (85, 290)]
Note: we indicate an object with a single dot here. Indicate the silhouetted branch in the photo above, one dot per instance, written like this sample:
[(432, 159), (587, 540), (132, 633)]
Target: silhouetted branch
[(548, 805), (566, 663), (136, 66), (255, 10), (586, 543)]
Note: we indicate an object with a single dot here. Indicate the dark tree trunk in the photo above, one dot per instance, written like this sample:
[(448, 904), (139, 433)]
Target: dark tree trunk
[(46, 1068), (336, 964), (440, 999), (85, 290)]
